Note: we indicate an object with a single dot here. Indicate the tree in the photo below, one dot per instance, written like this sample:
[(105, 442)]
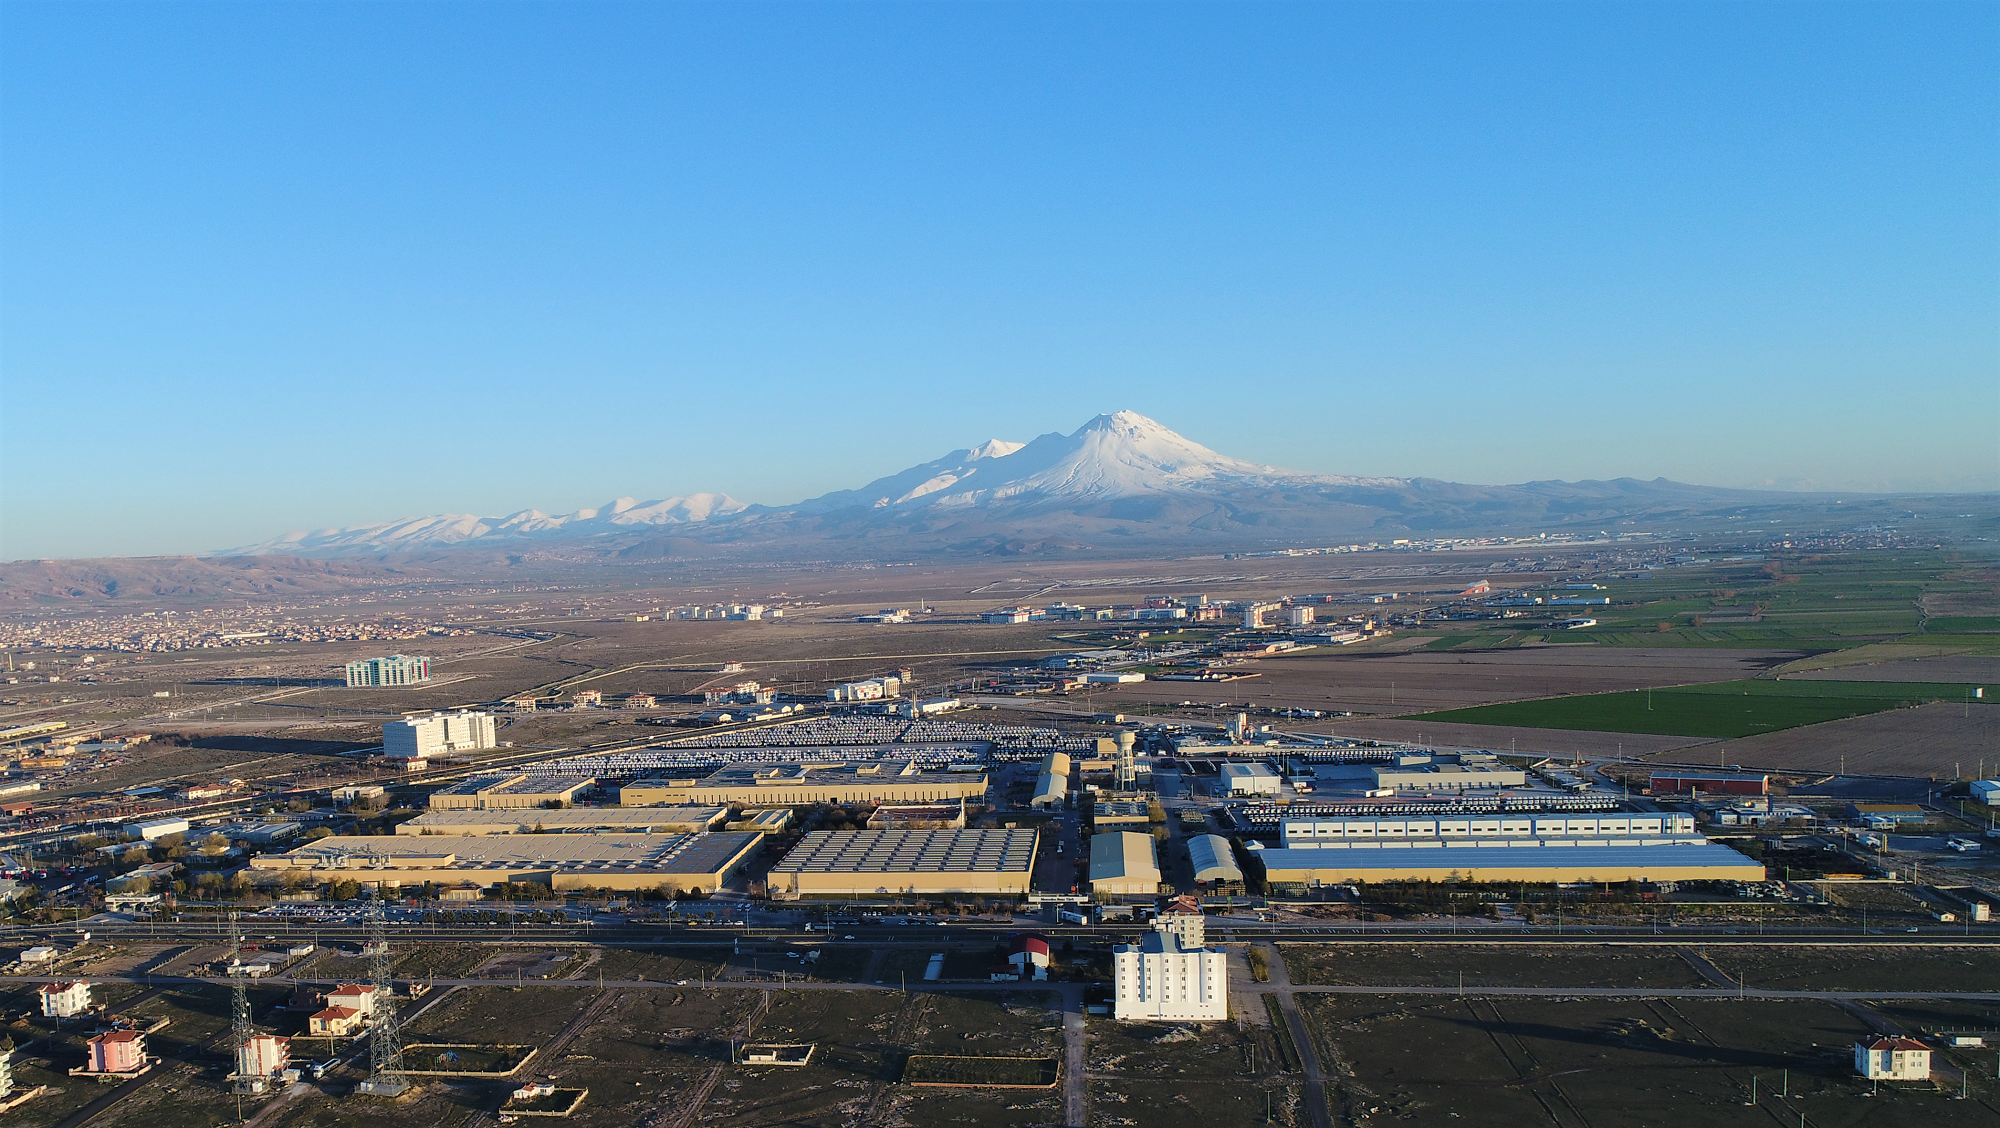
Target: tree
[(317, 833)]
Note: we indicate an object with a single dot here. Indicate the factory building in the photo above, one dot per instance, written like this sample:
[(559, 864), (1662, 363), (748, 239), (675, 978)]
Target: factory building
[(871, 863), (1169, 975), (396, 669), (576, 820), (508, 791), (1986, 791), (873, 689), (1443, 775), (155, 829), (792, 785), (682, 862), (1052, 785), (1213, 861), (1123, 864), (1508, 848), (433, 734), (935, 816), (1709, 783), (1248, 779)]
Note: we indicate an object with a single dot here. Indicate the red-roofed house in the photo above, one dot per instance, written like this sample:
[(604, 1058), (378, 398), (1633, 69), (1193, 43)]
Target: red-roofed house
[(64, 1000), (334, 1022), (354, 997), (1029, 956), (1893, 1059)]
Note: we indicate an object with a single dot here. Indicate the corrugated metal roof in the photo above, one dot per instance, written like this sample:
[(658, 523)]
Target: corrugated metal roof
[(1123, 855), (1613, 863), (1213, 859)]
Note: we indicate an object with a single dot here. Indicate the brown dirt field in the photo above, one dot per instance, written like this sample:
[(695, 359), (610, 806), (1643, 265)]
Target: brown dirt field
[(1614, 1064), (1931, 740), (1948, 668), (1363, 682), (1512, 965)]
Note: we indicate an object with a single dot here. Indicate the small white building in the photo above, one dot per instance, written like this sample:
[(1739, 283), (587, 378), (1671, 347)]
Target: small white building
[(358, 792), (1114, 678), (1893, 1059), (1986, 791), (40, 953), (155, 829), (64, 1000), (873, 689), (1169, 975)]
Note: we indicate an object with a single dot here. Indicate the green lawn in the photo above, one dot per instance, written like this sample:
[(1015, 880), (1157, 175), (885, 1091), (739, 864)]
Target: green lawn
[(1722, 709)]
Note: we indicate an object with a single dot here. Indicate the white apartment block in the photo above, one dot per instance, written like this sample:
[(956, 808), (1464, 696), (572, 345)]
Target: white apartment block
[(64, 1000), (417, 738), (1169, 975), (396, 669)]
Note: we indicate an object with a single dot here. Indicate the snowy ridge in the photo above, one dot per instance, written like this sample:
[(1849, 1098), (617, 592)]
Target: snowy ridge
[(459, 528)]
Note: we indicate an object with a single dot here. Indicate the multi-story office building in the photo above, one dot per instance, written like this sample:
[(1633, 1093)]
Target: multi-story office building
[(415, 738), (396, 669)]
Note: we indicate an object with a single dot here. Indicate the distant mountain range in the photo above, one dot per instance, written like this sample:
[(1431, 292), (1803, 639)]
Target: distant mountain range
[(1120, 481)]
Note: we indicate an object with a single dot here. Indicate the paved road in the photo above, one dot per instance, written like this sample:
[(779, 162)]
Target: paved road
[(1076, 1090), (1281, 986)]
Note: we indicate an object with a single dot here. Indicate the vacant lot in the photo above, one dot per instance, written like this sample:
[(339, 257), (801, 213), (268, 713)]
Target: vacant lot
[(1722, 709), (1442, 965), (1214, 1073), (522, 1016), (1886, 968), (1611, 1064)]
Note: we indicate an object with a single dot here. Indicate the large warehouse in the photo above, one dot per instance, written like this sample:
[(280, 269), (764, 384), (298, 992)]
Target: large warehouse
[(575, 820), (1213, 861), (791, 785), (1600, 848), (872, 863), (508, 791), (1123, 863), (683, 862)]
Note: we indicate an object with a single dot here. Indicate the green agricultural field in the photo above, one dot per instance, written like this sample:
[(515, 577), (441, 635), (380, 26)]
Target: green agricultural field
[(1722, 709)]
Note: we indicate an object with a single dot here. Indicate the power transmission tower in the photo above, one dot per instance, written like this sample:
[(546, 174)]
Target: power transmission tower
[(385, 1043), (240, 1030)]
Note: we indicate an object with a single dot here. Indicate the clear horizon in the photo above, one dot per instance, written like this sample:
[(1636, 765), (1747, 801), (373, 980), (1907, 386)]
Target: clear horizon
[(273, 268)]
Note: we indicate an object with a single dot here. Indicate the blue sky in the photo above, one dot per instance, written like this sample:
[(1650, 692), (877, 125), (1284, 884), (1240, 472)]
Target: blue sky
[(277, 266)]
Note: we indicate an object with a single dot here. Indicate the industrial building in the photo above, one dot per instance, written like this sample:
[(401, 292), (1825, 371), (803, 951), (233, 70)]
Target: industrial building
[(433, 734), (396, 669), (155, 829), (1170, 975), (1052, 785), (935, 816), (1986, 791), (1507, 848), (575, 820), (683, 862), (1107, 813), (1446, 773), (1123, 863), (868, 863), (872, 689), (1709, 783), (1213, 861), (508, 791), (792, 785), (1248, 779)]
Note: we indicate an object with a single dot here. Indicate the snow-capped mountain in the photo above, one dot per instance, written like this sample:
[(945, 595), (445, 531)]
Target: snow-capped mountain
[(1119, 479), (445, 530), (1113, 456)]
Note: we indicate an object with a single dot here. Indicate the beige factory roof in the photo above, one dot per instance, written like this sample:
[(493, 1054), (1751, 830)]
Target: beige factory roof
[(912, 851), (665, 853), (523, 820), (857, 772), (1123, 856)]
